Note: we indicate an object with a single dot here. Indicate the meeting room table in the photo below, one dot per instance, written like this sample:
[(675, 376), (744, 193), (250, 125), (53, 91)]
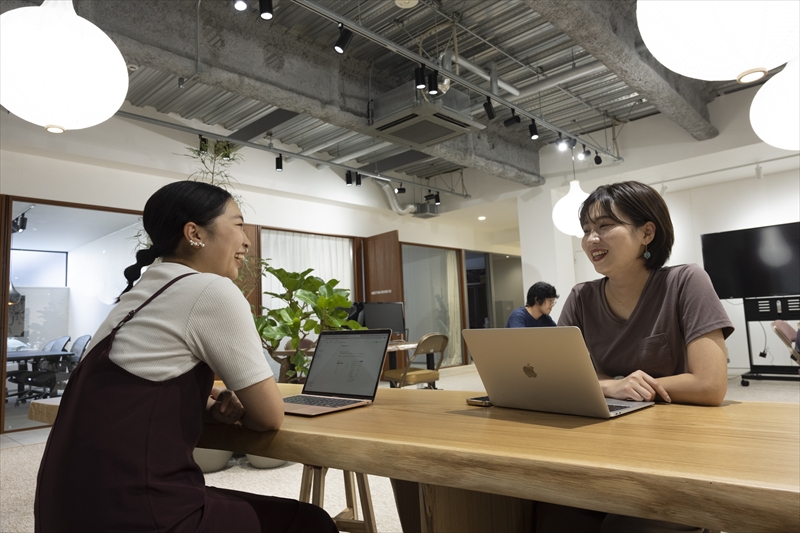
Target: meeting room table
[(456, 467)]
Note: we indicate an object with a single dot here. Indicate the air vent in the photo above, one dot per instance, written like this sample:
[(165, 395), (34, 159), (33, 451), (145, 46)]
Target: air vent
[(763, 306), (426, 210), (404, 116), (793, 304)]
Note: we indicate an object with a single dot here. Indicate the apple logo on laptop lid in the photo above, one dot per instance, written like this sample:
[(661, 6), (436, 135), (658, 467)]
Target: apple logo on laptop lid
[(529, 371)]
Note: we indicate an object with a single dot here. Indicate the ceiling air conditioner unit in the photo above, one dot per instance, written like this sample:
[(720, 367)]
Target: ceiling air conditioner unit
[(409, 117), (426, 210)]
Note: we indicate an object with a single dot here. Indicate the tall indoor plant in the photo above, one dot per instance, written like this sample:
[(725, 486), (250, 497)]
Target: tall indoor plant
[(311, 305)]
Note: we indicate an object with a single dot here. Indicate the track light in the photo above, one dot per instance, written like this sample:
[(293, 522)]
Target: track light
[(203, 149), (433, 83), (533, 130), (571, 143), (562, 144), (400, 189), (240, 5), (348, 178), (586, 153), (436, 200), (279, 163), (512, 120), (487, 106), (19, 224), (430, 196), (265, 9), (419, 77), (597, 159), (345, 36), (358, 179)]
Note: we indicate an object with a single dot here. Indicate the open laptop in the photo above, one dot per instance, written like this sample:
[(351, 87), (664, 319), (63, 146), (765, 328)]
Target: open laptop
[(542, 369), (344, 372)]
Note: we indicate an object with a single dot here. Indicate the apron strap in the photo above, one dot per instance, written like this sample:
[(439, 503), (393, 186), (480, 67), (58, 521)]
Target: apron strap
[(158, 292)]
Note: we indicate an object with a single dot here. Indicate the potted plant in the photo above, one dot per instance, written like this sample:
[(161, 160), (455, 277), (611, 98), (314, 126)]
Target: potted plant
[(312, 305)]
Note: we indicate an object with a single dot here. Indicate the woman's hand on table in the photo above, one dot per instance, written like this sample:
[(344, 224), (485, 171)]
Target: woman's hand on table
[(637, 386), (224, 406)]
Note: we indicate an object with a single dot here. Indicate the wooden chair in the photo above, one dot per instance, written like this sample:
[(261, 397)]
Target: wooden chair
[(428, 344), (347, 520)]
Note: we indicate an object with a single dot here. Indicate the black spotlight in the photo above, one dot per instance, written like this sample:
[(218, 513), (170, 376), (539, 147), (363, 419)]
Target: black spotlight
[(279, 163), (512, 120), (400, 189), (561, 143), (571, 143), (430, 196), (436, 199), (533, 130), (487, 106), (345, 36), (586, 153), (348, 178), (597, 159), (203, 145), (419, 77), (433, 83), (358, 179), (265, 9), (19, 224)]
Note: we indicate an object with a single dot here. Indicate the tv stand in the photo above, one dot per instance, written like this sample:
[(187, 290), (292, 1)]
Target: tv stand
[(785, 308)]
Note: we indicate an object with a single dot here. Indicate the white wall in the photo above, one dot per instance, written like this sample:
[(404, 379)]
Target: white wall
[(95, 280), (46, 314)]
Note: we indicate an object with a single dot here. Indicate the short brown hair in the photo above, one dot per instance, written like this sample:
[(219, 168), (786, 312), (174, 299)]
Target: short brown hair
[(641, 204)]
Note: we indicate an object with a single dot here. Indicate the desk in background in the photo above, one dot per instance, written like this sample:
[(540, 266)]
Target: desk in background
[(734, 468)]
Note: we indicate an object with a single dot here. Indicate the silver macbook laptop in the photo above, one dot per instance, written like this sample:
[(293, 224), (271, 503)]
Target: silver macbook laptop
[(344, 372), (542, 369)]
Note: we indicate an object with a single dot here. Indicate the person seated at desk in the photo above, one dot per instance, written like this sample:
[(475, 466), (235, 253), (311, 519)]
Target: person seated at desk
[(538, 306), (652, 331), (119, 456)]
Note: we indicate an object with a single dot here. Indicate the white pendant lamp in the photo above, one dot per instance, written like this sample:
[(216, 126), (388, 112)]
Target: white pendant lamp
[(775, 111), (58, 70), (719, 40), (565, 212)]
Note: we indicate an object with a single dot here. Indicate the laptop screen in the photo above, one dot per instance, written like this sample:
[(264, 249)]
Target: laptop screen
[(347, 363)]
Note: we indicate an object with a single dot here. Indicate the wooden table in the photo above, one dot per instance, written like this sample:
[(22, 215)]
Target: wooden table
[(735, 467)]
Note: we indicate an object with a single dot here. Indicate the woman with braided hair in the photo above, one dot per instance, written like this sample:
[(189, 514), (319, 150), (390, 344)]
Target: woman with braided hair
[(119, 456)]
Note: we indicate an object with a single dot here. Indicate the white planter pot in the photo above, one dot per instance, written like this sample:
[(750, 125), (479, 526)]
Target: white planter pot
[(264, 462), (211, 460)]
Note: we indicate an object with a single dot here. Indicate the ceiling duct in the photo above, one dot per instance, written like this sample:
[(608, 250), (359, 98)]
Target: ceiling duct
[(405, 117), (426, 210)]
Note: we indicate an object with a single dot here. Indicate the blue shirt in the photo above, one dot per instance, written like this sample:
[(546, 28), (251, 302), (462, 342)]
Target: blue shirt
[(521, 318)]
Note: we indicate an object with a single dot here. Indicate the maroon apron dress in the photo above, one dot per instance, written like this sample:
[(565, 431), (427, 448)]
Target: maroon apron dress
[(119, 458)]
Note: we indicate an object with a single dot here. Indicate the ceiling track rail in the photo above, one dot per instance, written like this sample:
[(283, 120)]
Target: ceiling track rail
[(408, 54), (313, 160)]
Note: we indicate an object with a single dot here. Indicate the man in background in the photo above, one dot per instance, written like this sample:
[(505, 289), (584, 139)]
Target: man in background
[(536, 312)]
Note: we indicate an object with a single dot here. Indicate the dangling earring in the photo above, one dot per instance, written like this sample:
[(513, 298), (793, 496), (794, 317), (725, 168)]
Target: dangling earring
[(196, 244), (646, 254)]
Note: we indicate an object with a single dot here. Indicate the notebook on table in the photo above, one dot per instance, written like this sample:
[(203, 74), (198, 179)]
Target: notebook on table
[(542, 369), (344, 372)]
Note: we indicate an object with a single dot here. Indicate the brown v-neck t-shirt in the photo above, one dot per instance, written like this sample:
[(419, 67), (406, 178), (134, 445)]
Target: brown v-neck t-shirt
[(678, 305)]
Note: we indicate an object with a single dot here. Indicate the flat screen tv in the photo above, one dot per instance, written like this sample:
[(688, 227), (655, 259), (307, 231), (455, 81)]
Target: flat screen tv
[(385, 315), (753, 263)]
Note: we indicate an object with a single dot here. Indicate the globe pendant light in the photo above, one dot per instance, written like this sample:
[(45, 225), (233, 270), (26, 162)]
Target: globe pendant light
[(775, 111), (719, 40), (58, 70), (565, 212)]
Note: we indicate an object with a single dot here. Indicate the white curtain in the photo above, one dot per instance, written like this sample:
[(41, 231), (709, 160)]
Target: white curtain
[(330, 257), (453, 355)]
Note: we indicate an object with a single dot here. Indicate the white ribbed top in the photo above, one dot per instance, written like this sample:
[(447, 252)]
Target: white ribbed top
[(203, 317)]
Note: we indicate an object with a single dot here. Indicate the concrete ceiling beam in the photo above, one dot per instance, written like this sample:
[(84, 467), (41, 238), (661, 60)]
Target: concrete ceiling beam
[(608, 31)]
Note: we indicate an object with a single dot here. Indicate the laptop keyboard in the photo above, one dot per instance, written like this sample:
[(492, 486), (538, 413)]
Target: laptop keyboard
[(318, 401)]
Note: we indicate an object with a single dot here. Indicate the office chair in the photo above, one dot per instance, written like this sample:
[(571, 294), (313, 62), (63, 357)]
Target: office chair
[(41, 381), (428, 344), (788, 335)]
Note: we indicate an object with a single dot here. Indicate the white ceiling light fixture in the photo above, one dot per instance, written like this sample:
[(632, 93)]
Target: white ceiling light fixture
[(406, 4), (718, 40), (565, 212), (775, 111), (58, 70)]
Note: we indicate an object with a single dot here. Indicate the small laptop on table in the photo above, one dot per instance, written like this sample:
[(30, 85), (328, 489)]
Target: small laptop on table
[(344, 372), (542, 369)]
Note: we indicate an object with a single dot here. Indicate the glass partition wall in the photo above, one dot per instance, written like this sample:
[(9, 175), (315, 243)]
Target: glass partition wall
[(65, 274), (432, 297)]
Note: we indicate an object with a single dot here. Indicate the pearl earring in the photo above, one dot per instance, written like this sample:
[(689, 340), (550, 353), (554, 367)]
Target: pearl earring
[(196, 244)]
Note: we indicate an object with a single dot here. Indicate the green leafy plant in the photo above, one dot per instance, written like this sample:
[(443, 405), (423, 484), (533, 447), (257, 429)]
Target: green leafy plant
[(312, 305)]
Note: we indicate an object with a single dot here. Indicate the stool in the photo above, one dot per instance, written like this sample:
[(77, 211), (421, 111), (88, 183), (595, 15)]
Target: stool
[(347, 520)]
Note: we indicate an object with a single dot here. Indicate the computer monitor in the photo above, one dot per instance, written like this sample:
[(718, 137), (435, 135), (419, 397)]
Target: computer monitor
[(385, 315)]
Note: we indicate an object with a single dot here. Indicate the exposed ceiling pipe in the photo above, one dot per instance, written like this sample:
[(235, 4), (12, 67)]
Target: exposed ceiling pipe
[(392, 198), (358, 153), (448, 58), (551, 81)]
